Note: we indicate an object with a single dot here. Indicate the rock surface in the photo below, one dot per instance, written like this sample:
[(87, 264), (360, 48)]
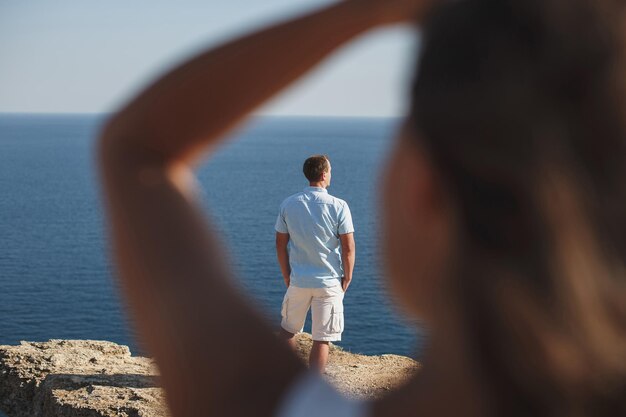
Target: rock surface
[(85, 378), (77, 378), (361, 376)]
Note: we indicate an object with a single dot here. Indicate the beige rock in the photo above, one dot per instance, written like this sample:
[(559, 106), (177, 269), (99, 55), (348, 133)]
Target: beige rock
[(77, 378), (85, 378), (362, 376)]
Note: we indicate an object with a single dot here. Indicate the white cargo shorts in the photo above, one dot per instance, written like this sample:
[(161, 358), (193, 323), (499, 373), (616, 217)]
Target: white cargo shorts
[(326, 306)]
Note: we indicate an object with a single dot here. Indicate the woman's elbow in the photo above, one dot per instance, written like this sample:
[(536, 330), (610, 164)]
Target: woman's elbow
[(112, 143), (121, 146)]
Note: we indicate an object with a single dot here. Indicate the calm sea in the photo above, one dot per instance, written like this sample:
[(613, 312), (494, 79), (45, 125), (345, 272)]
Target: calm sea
[(55, 276)]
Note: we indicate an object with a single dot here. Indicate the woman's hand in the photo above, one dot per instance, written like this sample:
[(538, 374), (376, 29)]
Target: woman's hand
[(389, 12)]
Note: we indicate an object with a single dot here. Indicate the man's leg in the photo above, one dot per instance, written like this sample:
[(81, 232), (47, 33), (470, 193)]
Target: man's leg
[(319, 356), (327, 318), (295, 306), (288, 337)]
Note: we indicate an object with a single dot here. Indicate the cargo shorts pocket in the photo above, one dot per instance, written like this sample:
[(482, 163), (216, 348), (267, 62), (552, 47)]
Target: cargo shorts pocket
[(336, 319)]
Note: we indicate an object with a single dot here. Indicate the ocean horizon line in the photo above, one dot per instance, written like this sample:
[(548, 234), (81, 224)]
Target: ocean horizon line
[(253, 116)]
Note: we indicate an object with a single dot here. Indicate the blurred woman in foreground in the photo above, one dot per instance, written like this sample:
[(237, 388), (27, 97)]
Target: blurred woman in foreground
[(504, 206)]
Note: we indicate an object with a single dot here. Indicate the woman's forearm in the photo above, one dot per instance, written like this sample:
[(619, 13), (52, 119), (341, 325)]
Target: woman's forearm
[(172, 268), (190, 107)]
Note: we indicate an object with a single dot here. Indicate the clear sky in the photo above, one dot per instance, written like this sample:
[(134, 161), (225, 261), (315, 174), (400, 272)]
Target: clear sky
[(84, 56)]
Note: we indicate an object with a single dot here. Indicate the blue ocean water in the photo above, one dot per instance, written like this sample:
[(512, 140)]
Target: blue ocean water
[(55, 277)]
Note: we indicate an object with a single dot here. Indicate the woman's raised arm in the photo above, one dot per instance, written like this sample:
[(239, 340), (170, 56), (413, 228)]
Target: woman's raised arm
[(215, 354), (189, 108)]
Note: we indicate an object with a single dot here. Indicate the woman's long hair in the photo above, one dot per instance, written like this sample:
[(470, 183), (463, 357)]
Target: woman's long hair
[(522, 106)]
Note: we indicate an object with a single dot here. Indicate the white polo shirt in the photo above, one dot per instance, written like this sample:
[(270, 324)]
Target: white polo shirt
[(314, 220)]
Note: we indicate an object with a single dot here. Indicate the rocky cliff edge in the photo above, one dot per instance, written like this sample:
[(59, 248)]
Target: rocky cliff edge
[(87, 378)]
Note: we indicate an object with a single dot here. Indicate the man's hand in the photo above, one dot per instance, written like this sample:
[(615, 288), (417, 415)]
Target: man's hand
[(287, 282), (345, 283)]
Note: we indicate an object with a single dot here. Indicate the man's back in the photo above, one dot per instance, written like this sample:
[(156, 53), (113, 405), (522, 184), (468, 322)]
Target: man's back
[(315, 251), (314, 220)]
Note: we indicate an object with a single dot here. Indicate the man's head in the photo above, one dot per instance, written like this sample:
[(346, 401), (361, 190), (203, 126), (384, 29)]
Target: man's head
[(316, 169)]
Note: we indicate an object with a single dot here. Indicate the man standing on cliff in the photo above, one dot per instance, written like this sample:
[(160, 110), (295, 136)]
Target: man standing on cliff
[(316, 253)]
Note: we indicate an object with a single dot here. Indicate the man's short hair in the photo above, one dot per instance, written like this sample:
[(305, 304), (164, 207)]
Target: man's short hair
[(315, 166)]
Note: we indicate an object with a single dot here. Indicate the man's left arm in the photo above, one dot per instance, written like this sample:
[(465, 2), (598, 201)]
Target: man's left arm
[(348, 256), (282, 239)]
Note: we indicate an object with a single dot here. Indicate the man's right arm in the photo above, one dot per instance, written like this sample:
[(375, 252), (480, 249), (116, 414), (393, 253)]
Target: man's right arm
[(282, 239), (348, 256)]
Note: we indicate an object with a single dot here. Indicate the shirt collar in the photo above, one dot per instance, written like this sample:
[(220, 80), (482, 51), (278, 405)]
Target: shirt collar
[(318, 189)]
